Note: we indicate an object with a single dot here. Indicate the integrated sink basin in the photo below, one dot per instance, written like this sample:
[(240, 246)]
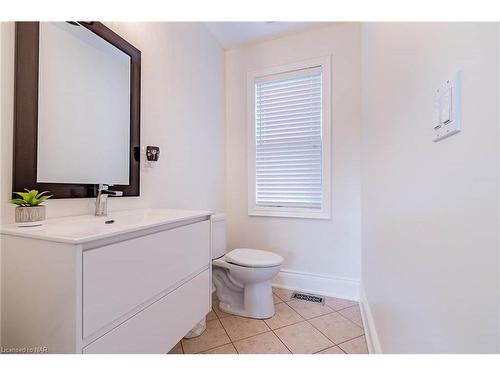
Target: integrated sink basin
[(86, 228)]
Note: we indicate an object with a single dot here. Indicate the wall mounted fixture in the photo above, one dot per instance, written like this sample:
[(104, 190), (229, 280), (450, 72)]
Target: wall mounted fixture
[(150, 156), (152, 153), (447, 119)]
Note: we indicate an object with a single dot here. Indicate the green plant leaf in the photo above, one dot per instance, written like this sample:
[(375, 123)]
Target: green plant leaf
[(19, 202), (30, 198), (42, 193), (44, 198), (22, 195)]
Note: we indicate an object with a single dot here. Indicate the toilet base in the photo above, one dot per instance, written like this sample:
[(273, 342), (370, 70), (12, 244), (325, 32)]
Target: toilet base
[(257, 302), (244, 291)]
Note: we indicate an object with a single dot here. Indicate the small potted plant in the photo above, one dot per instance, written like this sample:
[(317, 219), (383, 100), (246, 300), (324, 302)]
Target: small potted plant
[(29, 211)]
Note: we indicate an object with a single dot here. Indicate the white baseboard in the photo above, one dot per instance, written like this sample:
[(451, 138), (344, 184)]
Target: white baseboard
[(369, 324), (318, 284)]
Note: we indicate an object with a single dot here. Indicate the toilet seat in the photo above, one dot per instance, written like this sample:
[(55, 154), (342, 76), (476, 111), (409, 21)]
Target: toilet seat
[(253, 258)]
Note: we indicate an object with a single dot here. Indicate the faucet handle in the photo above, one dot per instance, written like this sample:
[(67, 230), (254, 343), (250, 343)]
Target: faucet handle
[(113, 193), (104, 189)]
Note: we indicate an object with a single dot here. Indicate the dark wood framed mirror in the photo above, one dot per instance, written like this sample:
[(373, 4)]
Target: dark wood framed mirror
[(26, 116)]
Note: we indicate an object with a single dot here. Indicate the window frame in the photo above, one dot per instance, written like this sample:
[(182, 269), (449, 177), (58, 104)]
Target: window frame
[(326, 102)]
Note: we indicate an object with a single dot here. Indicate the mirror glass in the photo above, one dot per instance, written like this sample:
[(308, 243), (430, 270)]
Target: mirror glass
[(83, 107)]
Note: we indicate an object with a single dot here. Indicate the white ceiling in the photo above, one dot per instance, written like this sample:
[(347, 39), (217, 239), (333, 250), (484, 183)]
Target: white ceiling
[(234, 34)]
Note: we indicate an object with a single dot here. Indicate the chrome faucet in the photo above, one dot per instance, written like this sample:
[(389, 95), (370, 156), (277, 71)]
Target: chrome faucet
[(101, 203)]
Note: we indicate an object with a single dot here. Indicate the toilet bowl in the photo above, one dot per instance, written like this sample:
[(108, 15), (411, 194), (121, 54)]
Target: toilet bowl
[(242, 277)]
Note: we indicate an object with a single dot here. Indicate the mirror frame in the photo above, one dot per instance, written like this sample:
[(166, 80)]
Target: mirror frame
[(26, 114)]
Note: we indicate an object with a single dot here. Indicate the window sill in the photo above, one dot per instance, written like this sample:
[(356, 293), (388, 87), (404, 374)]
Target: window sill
[(305, 214)]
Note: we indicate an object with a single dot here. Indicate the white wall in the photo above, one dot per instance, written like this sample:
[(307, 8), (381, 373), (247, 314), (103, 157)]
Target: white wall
[(182, 112), (430, 250), (330, 248)]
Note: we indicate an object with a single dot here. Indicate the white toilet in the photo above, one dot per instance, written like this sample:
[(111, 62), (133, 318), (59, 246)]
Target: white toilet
[(242, 277)]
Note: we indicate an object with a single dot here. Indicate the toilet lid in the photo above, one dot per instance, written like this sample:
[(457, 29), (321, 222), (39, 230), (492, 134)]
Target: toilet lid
[(253, 258)]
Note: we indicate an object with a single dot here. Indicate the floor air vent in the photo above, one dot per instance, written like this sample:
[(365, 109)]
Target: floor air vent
[(308, 297)]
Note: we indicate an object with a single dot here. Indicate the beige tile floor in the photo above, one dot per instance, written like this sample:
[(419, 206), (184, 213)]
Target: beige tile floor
[(297, 327)]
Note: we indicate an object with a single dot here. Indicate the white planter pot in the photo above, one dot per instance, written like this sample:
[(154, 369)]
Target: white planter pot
[(30, 216)]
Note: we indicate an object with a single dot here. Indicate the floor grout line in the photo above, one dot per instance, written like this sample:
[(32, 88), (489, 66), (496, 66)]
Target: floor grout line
[(274, 294), (336, 311), (235, 348), (325, 336), (343, 342), (257, 334), (349, 319), (319, 351), (342, 349), (275, 334), (343, 308), (303, 317), (215, 347), (288, 325), (229, 337)]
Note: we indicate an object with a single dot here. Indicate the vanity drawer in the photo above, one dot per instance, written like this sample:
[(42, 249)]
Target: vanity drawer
[(119, 277), (160, 326)]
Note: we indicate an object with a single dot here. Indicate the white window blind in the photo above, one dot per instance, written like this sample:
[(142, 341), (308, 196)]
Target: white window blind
[(288, 139)]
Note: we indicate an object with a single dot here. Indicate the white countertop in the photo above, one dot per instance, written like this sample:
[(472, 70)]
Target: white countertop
[(86, 228)]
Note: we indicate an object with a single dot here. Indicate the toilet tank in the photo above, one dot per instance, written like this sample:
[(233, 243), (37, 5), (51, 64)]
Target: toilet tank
[(218, 235)]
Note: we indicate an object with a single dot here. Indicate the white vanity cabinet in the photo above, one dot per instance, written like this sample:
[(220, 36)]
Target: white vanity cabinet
[(137, 285)]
